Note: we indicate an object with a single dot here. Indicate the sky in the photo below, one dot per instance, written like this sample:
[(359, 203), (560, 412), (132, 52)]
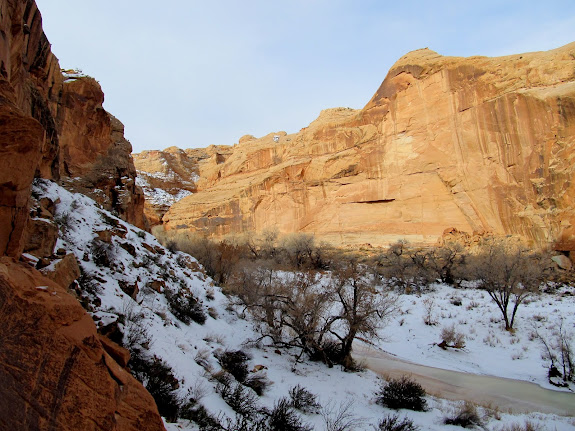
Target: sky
[(194, 73)]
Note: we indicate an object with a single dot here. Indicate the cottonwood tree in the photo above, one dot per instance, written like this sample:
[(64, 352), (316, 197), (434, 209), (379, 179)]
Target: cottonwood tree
[(361, 308), (446, 259), (291, 309), (303, 311), (509, 273)]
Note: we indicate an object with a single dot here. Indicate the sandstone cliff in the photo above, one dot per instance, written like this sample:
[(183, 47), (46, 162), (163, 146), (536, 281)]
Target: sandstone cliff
[(471, 143), (54, 126), (170, 175), (56, 373)]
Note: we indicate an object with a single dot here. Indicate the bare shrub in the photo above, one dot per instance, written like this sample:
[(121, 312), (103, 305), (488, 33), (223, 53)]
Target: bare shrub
[(340, 417), (241, 399), (235, 363), (157, 377), (303, 400), (136, 334), (184, 306), (558, 350), (284, 418), (202, 358), (429, 315), (258, 382), (465, 416), (393, 423), (452, 338), (527, 426)]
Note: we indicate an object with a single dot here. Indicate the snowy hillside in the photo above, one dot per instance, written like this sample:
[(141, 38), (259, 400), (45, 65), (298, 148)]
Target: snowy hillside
[(158, 196), (167, 311)]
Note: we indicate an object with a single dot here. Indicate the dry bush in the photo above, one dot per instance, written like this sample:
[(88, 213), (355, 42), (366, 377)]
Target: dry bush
[(527, 426), (235, 363), (452, 338), (258, 382), (341, 417), (393, 423), (284, 418), (303, 400), (465, 416)]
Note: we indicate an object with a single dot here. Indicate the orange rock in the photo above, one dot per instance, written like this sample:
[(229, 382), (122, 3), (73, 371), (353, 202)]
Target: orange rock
[(54, 371), (41, 237), (63, 271), (477, 144), (118, 353)]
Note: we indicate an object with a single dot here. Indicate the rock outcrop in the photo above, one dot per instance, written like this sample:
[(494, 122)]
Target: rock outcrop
[(169, 175), (476, 144), (54, 127), (55, 374)]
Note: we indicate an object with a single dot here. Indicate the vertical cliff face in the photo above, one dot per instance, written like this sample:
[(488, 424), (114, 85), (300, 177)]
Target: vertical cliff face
[(478, 144), (55, 373), (55, 128)]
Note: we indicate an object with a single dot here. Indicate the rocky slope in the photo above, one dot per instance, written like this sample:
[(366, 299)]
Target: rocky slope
[(477, 144), (56, 372)]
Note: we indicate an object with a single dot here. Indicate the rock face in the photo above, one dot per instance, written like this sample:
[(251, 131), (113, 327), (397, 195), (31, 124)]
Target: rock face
[(55, 372), (170, 175), (54, 127), (476, 144)]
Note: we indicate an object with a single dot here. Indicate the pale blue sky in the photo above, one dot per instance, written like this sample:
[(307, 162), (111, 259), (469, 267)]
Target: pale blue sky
[(193, 73)]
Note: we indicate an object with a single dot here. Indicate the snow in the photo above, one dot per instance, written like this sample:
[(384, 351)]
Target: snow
[(158, 196), (489, 350), (189, 349)]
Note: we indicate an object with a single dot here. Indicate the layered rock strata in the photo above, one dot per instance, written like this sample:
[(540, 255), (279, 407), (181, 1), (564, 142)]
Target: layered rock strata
[(169, 175), (476, 144)]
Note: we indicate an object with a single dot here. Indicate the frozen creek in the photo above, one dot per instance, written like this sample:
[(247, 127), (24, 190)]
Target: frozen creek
[(508, 395)]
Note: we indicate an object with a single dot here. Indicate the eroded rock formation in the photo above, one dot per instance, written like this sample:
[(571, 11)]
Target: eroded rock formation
[(54, 127), (477, 144), (55, 373), (169, 175)]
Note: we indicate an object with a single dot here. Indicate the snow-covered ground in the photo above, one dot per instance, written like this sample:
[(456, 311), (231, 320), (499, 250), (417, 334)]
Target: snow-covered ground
[(137, 257), (489, 349)]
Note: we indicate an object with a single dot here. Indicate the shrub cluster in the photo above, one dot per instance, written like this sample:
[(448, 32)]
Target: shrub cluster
[(466, 416), (402, 393), (158, 379), (185, 307)]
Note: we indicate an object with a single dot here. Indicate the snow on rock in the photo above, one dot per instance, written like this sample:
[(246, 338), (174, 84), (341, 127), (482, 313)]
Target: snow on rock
[(126, 274)]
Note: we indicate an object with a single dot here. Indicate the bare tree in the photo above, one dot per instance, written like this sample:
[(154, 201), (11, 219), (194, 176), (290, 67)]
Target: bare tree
[(446, 259), (300, 310), (363, 309), (509, 273)]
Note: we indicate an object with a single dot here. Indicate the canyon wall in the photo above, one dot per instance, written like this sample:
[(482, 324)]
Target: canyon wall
[(169, 175), (476, 144), (54, 127), (56, 372)]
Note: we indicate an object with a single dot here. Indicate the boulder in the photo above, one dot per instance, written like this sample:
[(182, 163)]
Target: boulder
[(54, 372), (63, 271)]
